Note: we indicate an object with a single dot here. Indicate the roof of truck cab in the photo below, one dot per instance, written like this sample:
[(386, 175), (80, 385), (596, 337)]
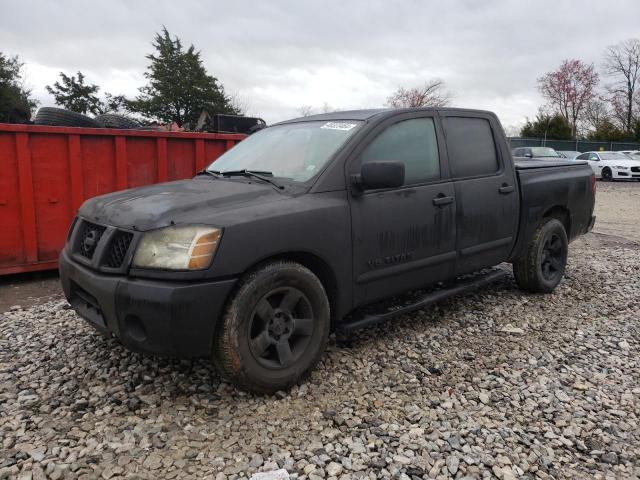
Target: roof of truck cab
[(372, 112), (345, 115)]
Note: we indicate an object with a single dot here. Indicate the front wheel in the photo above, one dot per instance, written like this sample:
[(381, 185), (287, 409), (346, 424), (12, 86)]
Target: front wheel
[(607, 174), (542, 266), (275, 328)]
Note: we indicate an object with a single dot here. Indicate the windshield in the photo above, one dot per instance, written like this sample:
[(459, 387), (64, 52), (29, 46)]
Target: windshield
[(544, 152), (570, 154), (296, 151), (613, 156)]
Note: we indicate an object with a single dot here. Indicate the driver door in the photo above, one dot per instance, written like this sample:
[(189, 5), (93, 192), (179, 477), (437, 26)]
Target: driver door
[(403, 238), (593, 160)]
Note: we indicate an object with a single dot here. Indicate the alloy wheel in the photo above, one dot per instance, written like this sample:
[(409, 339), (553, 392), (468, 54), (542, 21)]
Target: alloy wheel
[(552, 257), (281, 327)]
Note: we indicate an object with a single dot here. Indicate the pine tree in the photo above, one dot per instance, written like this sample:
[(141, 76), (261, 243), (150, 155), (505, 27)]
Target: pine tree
[(179, 87)]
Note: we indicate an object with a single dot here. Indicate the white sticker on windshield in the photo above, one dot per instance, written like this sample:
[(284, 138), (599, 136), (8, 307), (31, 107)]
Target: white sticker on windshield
[(339, 125)]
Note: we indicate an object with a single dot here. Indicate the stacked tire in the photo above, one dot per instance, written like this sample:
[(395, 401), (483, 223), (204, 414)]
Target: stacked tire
[(111, 120), (61, 117)]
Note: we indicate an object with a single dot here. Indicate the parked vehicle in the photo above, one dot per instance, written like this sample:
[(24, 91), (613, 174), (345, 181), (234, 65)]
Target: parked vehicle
[(568, 154), (634, 154), (539, 153), (291, 233), (612, 165)]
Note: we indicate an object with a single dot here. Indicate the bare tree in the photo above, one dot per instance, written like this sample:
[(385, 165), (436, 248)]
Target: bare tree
[(622, 62), (569, 90), (326, 108), (432, 94), (595, 114), (308, 110), (240, 103)]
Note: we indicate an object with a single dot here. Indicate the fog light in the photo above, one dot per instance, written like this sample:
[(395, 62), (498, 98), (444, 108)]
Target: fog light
[(134, 328)]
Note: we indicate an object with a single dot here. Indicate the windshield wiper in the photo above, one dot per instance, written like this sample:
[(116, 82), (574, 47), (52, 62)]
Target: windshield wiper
[(208, 172), (259, 174)]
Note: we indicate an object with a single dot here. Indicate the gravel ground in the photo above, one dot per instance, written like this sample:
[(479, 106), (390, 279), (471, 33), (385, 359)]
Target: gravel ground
[(498, 383), (617, 208)]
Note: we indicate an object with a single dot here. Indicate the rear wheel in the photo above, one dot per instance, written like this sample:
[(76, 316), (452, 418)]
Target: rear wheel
[(275, 328), (607, 175), (542, 266)]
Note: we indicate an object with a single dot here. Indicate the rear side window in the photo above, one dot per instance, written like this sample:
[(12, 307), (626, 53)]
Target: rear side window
[(471, 148), (412, 142)]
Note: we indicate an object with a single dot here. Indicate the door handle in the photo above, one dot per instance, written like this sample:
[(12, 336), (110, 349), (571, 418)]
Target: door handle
[(441, 200), (504, 189)]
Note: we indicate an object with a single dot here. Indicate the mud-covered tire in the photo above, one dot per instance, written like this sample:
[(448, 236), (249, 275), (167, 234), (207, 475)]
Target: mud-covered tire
[(249, 348), (112, 120), (60, 117), (541, 268)]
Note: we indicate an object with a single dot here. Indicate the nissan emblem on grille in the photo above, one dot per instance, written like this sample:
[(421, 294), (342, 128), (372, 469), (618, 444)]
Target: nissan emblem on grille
[(89, 241), (91, 235)]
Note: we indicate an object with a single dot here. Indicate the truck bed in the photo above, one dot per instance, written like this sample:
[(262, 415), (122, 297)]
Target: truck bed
[(531, 164)]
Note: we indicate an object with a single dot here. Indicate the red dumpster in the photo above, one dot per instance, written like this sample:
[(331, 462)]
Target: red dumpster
[(47, 172)]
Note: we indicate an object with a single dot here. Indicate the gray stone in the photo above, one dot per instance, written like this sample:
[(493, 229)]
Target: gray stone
[(333, 469), (453, 463)]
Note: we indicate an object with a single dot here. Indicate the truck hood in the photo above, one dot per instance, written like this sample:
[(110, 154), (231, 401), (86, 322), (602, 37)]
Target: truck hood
[(184, 201)]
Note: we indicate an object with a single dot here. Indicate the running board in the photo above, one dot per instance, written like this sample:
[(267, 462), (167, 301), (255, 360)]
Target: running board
[(464, 285)]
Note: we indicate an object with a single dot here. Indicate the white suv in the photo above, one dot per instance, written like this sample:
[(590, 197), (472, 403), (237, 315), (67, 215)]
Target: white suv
[(612, 165)]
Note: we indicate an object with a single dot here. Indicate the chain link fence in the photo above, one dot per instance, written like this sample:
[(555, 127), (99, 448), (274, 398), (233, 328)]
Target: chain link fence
[(572, 145)]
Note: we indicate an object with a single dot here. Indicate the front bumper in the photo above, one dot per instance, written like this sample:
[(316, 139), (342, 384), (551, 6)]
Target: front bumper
[(148, 316), (625, 174)]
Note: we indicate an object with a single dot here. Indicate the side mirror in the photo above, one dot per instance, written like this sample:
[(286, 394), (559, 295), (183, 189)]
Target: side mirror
[(374, 175), (528, 155)]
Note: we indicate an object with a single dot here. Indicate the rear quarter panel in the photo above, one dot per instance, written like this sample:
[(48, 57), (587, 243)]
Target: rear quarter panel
[(567, 187)]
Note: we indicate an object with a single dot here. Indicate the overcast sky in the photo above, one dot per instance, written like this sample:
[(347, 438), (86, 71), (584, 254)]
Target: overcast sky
[(280, 55)]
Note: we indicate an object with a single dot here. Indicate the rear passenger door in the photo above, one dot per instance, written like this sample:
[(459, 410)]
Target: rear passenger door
[(485, 188)]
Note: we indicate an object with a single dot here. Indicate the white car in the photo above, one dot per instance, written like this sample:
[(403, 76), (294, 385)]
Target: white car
[(634, 154), (612, 165)]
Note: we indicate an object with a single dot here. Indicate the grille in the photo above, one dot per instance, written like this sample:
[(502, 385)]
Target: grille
[(635, 169), (89, 238), (118, 249)]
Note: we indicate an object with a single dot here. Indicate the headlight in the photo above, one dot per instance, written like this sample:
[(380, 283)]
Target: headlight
[(620, 167), (178, 248)]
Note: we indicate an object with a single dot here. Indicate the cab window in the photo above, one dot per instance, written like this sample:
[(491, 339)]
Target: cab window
[(471, 148), (412, 142)]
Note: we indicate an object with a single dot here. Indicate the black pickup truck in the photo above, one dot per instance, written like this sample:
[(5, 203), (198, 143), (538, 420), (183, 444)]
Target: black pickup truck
[(288, 236)]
